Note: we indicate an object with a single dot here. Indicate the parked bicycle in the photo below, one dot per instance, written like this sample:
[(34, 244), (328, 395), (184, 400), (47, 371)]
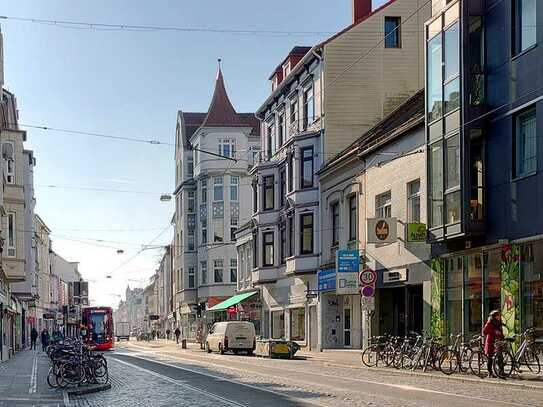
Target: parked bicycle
[(507, 361), (74, 364)]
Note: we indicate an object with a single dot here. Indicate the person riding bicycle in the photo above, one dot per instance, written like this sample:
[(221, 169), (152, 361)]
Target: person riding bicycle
[(493, 332)]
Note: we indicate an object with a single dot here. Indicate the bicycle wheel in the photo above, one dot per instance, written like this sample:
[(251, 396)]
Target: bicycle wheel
[(503, 364), (386, 355), (72, 373), (52, 378), (478, 363), (531, 360), (397, 358), (465, 356), (370, 356), (448, 362)]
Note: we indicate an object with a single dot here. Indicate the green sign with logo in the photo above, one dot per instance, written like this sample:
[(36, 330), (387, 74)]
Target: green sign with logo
[(416, 233)]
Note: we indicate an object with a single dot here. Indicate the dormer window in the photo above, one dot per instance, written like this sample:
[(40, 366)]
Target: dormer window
[(286, 69)]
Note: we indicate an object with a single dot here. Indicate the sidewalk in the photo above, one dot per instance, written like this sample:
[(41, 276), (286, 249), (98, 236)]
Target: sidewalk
[(23, 381), (352, 359)]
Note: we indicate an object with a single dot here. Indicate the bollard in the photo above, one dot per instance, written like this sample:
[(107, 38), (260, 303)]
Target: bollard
[(184, 344)]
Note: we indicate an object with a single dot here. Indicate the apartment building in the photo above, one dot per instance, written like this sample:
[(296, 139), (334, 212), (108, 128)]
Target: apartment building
[(322, 99), (378, 180), (483, 134), (214, 151)]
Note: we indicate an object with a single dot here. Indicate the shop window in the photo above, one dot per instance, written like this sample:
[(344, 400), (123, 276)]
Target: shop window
[(531, 256), (524, 24), (492, 277), (297, 324), (525, 143), (453, 292), (278, 324), (473, 297), (392, 32)]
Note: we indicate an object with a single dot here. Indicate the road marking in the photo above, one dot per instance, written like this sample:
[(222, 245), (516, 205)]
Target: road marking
[(34, 376), (66, 398), (398, 386), (220, 378), (182, 384)]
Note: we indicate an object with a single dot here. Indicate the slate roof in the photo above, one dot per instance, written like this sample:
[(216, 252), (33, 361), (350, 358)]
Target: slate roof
[(220, 113)]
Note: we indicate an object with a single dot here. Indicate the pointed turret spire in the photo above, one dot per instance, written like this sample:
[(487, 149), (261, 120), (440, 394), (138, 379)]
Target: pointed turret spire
[(221, 112)]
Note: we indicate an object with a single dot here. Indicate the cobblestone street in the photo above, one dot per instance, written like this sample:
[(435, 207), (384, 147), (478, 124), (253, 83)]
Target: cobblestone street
[(160, 374)]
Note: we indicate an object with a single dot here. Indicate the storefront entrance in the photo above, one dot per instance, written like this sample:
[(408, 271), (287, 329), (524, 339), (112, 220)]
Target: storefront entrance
[(400, 310)]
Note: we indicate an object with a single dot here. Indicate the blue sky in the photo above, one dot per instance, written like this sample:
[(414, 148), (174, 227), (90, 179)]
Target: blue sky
[(131, 84)]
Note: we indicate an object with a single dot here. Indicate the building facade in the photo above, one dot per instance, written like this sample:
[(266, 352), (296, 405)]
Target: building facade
[(320, 103), (483, 127), (379, 180), (213, 193)]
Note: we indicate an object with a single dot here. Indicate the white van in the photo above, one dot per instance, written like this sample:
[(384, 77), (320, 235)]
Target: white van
[(233, 335)]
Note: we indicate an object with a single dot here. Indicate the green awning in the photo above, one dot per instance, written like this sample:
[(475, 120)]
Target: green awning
[(236, 299)]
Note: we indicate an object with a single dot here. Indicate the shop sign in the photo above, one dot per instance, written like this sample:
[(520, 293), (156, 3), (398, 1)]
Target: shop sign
[(416, 233), (395, 276), (382, 230), (48, 316), (311, 294), (348, 262), (326, 280)]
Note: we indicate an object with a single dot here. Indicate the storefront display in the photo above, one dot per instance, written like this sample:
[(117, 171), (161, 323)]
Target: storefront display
[(278, 324), (297, 324)]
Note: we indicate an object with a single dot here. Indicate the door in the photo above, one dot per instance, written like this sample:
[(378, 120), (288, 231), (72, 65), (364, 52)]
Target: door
[(347, 322)]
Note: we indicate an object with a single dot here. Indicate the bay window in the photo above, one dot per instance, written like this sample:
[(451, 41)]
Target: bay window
[(267, 249), (307, 167), (268, 192), (306, 236)]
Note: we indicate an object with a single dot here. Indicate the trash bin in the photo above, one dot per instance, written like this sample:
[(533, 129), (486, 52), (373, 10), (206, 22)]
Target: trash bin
[(184, 344)]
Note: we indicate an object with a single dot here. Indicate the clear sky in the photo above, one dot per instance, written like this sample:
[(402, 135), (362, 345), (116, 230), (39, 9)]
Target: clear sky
[(131, 84)]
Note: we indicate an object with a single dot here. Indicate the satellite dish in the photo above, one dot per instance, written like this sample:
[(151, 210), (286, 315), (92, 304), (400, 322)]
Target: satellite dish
[(120, 251)]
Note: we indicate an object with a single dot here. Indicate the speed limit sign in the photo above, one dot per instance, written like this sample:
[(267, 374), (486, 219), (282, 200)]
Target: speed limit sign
[(368, 277)]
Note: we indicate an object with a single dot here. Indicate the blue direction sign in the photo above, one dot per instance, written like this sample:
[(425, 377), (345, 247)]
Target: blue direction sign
[(326, 280), (348, 261)]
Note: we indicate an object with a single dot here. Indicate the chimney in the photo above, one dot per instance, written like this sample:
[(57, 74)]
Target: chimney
[(361, 8)]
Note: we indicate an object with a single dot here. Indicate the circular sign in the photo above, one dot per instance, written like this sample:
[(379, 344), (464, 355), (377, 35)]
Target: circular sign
[(368, 291), (368, 277), (382, 230)]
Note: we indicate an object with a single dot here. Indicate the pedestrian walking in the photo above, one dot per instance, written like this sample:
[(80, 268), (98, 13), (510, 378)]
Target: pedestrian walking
[(33, 338), (44, 339), (177, 334), (168, 333), (493, 332)]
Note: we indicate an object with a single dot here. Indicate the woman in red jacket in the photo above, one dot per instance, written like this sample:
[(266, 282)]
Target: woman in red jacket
[(493, 332)]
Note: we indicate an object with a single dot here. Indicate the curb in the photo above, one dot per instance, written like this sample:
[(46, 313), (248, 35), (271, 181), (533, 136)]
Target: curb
[(89, 390), (422, 374)]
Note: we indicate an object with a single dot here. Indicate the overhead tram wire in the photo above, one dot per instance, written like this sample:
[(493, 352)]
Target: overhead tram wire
[(153, 28)]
